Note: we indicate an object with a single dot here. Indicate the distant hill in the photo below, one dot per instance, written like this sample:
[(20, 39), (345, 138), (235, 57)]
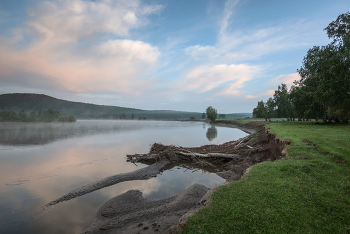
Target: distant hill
[(35, 102)]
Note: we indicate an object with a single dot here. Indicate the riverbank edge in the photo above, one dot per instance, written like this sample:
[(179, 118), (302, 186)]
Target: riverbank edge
[(204, 199), (315, 173), (250, 128)]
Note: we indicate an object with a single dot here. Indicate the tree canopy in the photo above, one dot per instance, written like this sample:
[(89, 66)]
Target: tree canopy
[(42, 116), (323, 90), (211, 113)]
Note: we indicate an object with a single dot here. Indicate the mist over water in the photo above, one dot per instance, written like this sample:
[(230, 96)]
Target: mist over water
[(40, 162)]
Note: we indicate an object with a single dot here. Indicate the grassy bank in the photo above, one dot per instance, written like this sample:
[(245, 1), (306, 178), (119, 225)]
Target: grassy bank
[(307, 192)]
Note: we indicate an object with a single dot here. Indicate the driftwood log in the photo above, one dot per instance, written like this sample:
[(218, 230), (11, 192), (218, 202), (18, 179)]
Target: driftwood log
[(183, 155), (204, 155)]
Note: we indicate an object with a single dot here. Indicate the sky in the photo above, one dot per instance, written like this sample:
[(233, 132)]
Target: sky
[(159, 54)]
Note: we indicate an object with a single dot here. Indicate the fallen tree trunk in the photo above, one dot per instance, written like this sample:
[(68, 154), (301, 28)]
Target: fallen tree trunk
[(175, 155), (209, 155)]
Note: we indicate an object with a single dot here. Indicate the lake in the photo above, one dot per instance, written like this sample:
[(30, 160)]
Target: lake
[(40, 162)]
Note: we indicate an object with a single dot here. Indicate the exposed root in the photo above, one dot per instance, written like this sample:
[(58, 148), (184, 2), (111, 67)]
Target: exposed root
[(203, 155), (235, 156)]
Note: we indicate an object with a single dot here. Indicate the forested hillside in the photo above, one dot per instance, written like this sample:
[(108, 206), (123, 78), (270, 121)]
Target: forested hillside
[(34, 102)]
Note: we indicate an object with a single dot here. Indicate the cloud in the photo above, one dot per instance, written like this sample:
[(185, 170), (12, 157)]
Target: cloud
[(287, 79), (71, 20), (264, 95), (228, 10), (55, 58), (198, 51), (229, 78), (129, 50), (253, 43)]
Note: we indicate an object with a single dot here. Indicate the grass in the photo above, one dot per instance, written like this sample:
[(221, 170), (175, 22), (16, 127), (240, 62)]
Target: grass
[(245, 121), (307, 192)]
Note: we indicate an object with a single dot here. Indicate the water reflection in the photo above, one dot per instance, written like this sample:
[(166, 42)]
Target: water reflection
[(212, 133), (44, 133), (65, 156)]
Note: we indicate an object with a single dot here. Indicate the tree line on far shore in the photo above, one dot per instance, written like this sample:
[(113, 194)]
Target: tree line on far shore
[(323, 91), (125, 116), (42, 116), (212, 115)]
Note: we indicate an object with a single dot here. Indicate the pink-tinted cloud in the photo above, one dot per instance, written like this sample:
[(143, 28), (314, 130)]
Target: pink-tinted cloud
[(71, 20), (230, 78), (286, 79), (54, 55)]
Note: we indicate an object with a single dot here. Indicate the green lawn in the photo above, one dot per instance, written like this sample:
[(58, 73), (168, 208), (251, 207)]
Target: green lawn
[(244, 121), (307, 192)]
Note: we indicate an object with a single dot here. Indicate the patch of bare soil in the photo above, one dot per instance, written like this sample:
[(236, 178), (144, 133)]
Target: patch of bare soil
[(131, 213)]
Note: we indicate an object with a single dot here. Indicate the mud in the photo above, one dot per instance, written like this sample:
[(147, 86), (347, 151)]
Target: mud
[(249, 128), (130, 212), (266, 148)]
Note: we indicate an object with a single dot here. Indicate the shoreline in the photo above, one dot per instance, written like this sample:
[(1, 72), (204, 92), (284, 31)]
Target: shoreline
[(153, 216)]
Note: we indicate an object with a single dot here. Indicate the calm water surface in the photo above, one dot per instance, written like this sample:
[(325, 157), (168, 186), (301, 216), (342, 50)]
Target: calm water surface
[(40, 162)]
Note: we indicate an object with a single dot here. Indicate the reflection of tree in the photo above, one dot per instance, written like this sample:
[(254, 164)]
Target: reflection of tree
[(212, 133)]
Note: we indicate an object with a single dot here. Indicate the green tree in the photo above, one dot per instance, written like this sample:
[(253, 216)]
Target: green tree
[(323, 89), (132, 116), (211, 113), (51, 115), (12, 115), (339, 29), (123, 116), (222, 116), (270, 108), (4, 115), (203, 116), (22, 115), (32, 115), (283, 102), (71, 118), (40, 115), (260, 111)]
